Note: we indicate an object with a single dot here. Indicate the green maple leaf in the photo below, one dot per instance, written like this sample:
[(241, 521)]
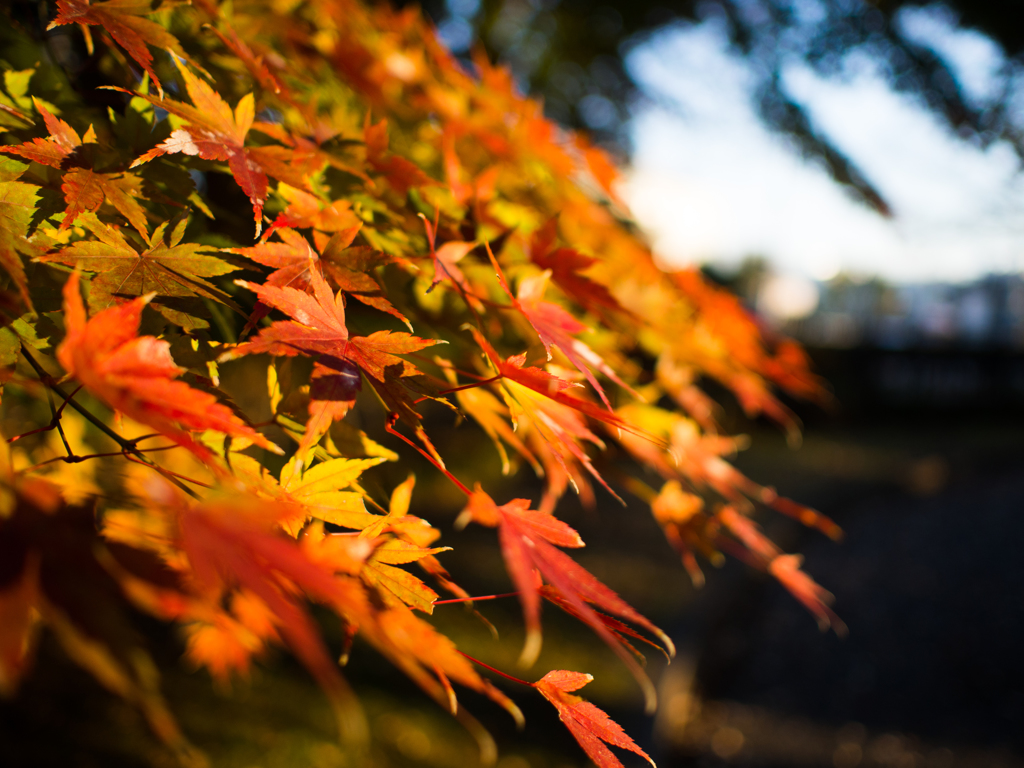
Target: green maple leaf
[(17, 204), (167, 267)]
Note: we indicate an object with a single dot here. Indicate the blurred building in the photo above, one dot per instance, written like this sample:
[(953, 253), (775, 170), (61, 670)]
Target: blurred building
[(984, 314)]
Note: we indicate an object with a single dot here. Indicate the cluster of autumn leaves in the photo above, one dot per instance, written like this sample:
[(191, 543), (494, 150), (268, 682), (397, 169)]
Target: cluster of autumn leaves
[(391, 189)]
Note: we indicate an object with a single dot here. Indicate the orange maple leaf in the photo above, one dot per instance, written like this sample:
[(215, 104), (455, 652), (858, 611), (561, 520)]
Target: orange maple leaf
[(446, 259), (401, 174), (348, 266), (213, 132), (319, 328), (590, 726), (124, 23), (565, 265), (237, 544), (135, 374), (528, 538), (54, 150), (544, 383)]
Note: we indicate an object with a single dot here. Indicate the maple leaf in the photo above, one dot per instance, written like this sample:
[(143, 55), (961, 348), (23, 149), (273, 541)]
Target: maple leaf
[(814, 597), (235, 543), (401, 174), (430, 659), (680, 515), (492, 416), (320, 491), (167, 267), (225, 642), (307, 211), (290, 259), (784, 567), (555, 388), (123, 20), (349, 267), (619, 629), (566, 265), (446, 259), (319, 330), (397, 584), (529, 542), (17, 204), (427, 657), (590, 726), (556, 327), (213, 132), (135, 374), (564, 431), (62, 142), (255, 63), (416, 534), (85, 190)]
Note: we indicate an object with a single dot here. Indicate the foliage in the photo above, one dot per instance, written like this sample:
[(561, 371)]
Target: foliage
[(396, 199)]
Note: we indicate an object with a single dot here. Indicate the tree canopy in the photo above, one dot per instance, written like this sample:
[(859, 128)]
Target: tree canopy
[(567, 50)]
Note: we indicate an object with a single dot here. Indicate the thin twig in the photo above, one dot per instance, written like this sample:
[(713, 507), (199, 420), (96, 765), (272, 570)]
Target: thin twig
[(127, 446)]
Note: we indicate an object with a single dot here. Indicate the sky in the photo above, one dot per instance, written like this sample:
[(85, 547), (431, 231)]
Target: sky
[(711, 184)]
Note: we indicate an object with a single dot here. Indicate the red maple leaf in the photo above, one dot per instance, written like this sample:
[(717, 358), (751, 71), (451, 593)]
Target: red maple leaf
[(590, 726), (318, 330), (529, 542), (213, 132), (122, 19), (135, 374), (557, 327), (54, 150), (514, 369), (566, 265)]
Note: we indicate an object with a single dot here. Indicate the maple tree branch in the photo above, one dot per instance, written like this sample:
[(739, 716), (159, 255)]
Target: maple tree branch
[(57, 413), (74, 459), (54, 423), (127, 446), (140, 438), (168, 474), (495, 671)]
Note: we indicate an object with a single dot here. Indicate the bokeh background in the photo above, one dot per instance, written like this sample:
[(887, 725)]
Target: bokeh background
[(852, 170)]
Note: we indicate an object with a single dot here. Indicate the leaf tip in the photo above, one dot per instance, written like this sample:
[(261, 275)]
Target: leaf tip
[(531, 648)]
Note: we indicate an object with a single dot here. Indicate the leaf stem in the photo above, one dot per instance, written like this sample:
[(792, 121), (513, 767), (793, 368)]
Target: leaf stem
[(474, 599), (471, 385), (496, 671), (389, 427)]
